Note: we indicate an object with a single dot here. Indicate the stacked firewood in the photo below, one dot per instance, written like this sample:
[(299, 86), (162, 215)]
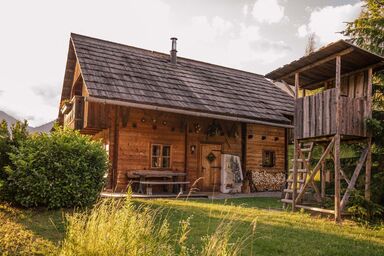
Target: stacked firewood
[(268, 181)]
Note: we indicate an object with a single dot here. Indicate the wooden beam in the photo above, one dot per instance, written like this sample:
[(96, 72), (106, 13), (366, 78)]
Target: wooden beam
[(345, 75), (316, 209), (296, 147), (368, 164), (317, 63), (336, 148), (315, 169), (323, 185), (288, 87), (354, 177)]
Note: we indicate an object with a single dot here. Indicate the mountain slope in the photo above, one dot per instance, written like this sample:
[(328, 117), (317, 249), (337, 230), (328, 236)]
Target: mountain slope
[(11, 120)]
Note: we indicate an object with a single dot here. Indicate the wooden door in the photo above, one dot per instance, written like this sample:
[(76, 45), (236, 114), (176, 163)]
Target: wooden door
[(210, 168)]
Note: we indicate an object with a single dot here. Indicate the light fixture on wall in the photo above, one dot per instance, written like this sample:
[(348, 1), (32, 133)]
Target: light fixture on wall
[(143, 120), (193, 149)]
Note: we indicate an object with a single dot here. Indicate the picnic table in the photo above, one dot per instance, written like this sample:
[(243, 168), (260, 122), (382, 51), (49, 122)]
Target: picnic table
[(167, 178)]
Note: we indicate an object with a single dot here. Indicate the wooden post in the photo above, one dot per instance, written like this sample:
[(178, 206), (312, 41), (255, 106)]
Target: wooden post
[(336, 148), (368, 163), (323, 178), (296, 145)]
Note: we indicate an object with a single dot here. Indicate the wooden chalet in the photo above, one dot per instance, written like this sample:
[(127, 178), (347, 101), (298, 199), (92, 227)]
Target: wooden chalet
[(333, 90), (160, 112)]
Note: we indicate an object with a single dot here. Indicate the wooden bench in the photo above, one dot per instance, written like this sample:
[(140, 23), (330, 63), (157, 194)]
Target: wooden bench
[(150, 183)]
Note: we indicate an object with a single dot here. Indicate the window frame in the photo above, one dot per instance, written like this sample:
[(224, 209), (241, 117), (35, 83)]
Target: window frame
[(263, 158), (160, 156)]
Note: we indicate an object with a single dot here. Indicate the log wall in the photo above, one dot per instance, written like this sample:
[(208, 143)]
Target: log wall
[(259, 138), (139, 128)]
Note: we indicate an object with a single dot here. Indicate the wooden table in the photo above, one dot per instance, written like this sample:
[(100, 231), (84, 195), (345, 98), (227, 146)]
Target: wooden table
[(145, 174)]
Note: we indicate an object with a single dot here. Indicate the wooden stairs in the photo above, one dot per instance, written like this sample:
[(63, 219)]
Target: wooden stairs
[(305, 150)]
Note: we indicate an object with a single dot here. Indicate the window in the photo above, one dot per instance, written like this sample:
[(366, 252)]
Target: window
[(160, 156), (269, 158)]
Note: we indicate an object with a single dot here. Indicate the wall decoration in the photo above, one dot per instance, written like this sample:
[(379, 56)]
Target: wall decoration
[(263, 137), (234, 132), (197, 127), (193, 149), (276, 138), (134, 125), (231, 174), (154, 127), (211, 157), (214, 129)]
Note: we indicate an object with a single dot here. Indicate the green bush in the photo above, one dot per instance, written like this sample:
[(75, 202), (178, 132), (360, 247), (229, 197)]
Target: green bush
[(60, 169), (10, 140)]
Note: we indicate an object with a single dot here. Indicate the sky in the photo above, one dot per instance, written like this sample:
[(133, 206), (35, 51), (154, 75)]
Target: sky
[(252, 35)]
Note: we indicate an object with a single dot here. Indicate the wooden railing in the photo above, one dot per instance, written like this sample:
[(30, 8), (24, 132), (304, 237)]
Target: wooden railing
[(316, 115), (74, 119)]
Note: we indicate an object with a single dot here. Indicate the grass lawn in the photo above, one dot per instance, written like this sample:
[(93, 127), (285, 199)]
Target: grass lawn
[(277, 232)]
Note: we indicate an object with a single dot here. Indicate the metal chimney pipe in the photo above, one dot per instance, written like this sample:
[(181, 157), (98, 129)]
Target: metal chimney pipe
[(173, 51)]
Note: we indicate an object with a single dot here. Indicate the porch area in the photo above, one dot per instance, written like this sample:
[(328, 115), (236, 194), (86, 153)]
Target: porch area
[(195, 195)]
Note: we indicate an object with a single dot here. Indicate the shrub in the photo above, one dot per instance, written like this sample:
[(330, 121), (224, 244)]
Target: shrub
[(10, 140), (61, 169), (117, 227)]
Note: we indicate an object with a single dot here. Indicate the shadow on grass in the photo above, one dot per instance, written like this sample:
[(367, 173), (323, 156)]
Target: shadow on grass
[(277, 233), (49, 225)]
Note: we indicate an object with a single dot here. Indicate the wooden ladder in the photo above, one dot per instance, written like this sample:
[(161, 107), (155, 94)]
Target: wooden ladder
[(302, 172)]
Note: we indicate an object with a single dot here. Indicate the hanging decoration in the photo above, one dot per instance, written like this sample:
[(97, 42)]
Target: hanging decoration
[(211, 157), (197, 127), (234, 132), (214, 129)]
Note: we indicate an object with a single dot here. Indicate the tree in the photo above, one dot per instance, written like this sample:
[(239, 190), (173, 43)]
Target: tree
[(311, 44), (367, 30)]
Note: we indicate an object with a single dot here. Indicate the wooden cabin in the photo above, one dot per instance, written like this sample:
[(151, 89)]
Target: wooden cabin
[(156, 111), (333, 91)]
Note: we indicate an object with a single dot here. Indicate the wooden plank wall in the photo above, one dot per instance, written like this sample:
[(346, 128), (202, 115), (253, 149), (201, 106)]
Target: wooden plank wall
[(316, 113), (259, 138), (144, 127)]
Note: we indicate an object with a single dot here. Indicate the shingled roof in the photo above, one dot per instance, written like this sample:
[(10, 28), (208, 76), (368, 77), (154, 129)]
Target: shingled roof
[(124, 73)]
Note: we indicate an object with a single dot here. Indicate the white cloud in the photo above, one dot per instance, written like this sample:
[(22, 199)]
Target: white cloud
[(34, 48), (245, 10), (268, 11), (328, 21), (302, 31)]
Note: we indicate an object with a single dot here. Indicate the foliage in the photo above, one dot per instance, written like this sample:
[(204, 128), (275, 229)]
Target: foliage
[(367, 30), (123, 228), (61, 169), (10, 140), (363, 210)]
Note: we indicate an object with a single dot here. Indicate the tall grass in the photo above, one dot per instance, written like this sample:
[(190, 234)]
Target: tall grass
[(116, 227)]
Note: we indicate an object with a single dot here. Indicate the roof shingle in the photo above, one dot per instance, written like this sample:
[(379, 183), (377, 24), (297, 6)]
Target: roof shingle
[(120, 72)]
